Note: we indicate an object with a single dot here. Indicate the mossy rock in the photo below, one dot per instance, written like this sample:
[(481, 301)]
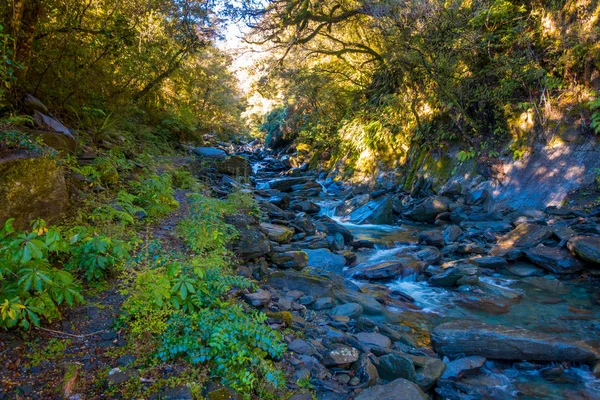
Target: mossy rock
[(31, 187)]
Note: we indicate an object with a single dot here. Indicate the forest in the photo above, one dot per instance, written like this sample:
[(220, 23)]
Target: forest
[(299, 199)]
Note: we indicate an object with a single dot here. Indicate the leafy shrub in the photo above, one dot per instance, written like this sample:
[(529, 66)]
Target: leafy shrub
[(16, 140), (93, 255), (123, 210), (184, 179), (31, 287), (205, 229), (186, 305), (155, 195)]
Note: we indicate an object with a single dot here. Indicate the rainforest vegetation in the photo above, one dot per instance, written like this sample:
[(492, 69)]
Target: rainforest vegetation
[(129, 88)]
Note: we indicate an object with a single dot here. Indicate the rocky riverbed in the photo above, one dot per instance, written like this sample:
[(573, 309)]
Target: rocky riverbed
[(430, 295)]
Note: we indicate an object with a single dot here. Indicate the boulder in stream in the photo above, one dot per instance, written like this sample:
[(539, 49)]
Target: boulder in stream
[(376, 212), (210, 152), (523, 237), (475, 338), (430, 208), (325, 259), (554, 259), (586, 247)]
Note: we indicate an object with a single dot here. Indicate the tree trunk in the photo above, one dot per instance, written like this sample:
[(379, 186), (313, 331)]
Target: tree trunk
[(24, 19)]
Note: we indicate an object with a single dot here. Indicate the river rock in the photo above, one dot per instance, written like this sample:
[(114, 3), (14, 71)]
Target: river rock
[(365, 371), (278, 233), (370, 339), (477, 197), (397, 389), (489, 262), (291, 259), (431, 238), (394, 366), (250, 242), (383, 270), (554, 259), (325, 259), (333, 228), (451, 189), (474, 338), (304, 224), (376, 212), (286, 184), (342, 355), (260, 298), (429, 255), (337, 242), (350, 310), (31, 188), (210, 152), (348, 206), (457, 368), (452, 276), (522, 237), (451, 234), (429, 209), (307, 206), (586, 247)]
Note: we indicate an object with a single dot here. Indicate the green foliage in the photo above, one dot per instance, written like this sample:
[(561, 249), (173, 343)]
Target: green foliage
[(31, 286), (155, 195), (183, 179), (95, 255), (185, 304), (205, 230), (15, 140), (595, 108), (466, 155), (123, 210), (234, 341)]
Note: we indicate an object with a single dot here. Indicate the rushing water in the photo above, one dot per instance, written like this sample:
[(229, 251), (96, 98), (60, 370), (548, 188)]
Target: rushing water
[(539, 303)]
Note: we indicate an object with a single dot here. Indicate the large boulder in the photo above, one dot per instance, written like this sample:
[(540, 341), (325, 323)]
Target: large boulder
[(474, 338), (348, 206), (376, 212), (333, 228), (210, 153), (456, 276), (31, 188), (554, 259), (251, 242), (286, 184), (523, 237), (291, 259), (235, 166), (430, 208), (586, 247), (278, 233), (325, 259), (398, 389)]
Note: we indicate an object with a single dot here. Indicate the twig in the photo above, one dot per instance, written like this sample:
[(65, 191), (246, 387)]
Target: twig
[(70, 334)]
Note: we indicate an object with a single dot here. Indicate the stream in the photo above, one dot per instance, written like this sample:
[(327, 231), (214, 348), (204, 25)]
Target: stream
[(521, 295)]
